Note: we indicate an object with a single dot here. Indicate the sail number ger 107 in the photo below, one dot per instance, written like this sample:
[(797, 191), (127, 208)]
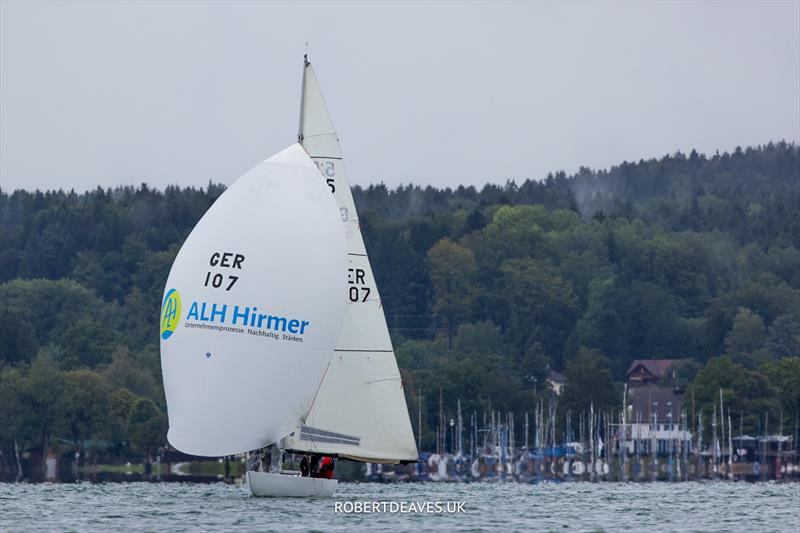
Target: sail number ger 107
[(226, 260)]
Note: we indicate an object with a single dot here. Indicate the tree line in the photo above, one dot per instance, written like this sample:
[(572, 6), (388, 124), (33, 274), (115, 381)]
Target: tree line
[(687, 257)]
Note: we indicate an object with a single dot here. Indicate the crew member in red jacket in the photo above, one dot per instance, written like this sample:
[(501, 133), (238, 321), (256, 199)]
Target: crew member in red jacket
[(325, 468)]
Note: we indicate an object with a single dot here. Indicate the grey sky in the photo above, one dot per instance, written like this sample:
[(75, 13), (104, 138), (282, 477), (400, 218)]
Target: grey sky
[(447, 93)]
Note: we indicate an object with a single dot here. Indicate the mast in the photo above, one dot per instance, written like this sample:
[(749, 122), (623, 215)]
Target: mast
[(460, 430), (716, 443), (722, 428), (730, 446), (419, 419), (306, 64), (526, 432)]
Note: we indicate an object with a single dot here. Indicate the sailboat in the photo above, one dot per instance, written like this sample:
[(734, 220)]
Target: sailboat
[(273, 336)]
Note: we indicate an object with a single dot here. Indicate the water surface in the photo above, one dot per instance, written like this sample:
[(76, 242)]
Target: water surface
[(690, 506)]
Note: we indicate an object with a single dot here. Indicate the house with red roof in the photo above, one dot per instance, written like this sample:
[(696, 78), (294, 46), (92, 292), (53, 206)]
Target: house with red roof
[(649, 371)]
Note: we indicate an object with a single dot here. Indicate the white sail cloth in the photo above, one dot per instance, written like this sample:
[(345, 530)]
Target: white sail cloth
[(253, 309), (360, 410)]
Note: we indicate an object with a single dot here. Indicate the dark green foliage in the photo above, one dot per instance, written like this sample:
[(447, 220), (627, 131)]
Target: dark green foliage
[(87, 342), (146, 426), (451, 268), (681, 374), (86, 405), (748, 394), (116, 430), (12, 410), (745, 338), (685, 257), (42, 394), (589, 383), (784, 376), (17, 337), (134, 374), (82, 282), (542, 308), (783, 337)]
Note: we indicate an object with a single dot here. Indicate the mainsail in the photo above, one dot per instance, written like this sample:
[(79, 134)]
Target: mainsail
[(360, 410), (252, 310)]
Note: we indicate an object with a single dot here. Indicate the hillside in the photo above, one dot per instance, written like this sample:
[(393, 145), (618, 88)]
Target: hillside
[(694, 257)]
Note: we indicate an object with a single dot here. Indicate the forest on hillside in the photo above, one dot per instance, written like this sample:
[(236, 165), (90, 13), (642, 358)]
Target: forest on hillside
[(693, 257)]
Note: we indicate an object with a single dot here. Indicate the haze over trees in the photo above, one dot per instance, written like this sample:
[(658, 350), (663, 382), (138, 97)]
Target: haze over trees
[(688, 257)]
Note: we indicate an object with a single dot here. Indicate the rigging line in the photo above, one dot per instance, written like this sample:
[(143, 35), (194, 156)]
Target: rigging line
[(369, 351), (333, 132), (397, 328), (318, 388), (325, 156), (394, 378)]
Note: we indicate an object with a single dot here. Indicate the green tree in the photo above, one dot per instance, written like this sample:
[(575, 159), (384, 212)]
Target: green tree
[(514, 233), (17, 338), (746, 336), (784, 376), (783, 337), (413, 354), (480, 337), (541, 305), (680, 374), (86, 403), (43, 397), (53, 306), (745, 392), (484, 382), (451, 268), (605, 324), (589, 382), (87, 343), (125, 371), (121, 404), (13, 415), (146, 427)]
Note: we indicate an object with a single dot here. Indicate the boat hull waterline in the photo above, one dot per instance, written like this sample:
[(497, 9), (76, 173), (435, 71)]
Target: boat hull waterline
[(266, 484)]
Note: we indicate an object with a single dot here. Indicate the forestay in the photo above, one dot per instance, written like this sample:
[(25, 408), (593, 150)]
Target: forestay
[(249, 316), (360, 410)]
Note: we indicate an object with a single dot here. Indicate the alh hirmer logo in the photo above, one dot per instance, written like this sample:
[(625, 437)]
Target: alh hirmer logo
[(170, 313)]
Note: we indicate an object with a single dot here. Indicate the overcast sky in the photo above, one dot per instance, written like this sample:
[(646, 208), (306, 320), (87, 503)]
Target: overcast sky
[(434, 93)]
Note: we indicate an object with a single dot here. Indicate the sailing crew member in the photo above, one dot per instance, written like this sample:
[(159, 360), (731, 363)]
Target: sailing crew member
[(326, 468), (314, 465), (304, 470)]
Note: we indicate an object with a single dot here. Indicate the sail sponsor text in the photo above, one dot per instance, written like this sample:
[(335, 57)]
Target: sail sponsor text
[(243, 319)]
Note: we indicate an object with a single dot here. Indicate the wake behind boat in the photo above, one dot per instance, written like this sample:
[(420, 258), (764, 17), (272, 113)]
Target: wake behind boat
[(265, 353)]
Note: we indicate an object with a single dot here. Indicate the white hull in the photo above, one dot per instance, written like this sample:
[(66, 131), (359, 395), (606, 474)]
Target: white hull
[(288, 486)]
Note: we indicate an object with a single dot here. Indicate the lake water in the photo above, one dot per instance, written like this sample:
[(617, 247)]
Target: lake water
[(720, 506)]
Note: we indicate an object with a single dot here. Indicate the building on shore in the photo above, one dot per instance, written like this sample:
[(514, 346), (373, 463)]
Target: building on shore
[(556, 380), (649, 371)]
